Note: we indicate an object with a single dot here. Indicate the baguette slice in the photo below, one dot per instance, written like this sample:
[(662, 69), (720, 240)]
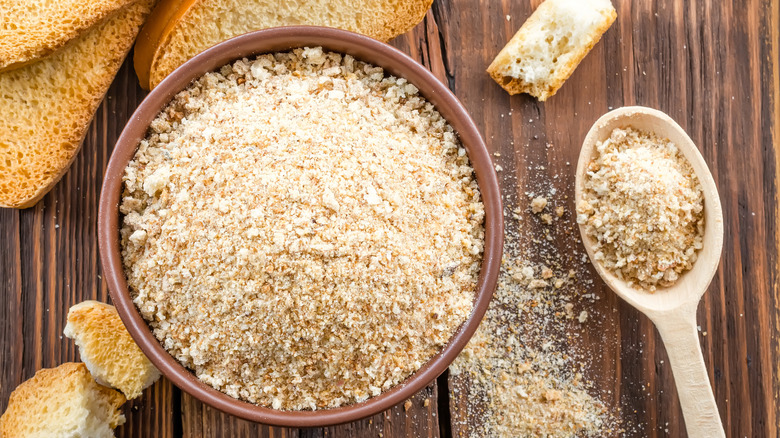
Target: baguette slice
[(107, 349), (33, 29), (550, 45), (62, 402), (180, 29), (46, 106)]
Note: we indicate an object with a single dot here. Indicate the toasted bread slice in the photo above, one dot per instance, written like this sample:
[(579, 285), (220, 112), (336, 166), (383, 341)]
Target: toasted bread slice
[(33, 29), (107, 349), (62, 402), (46, 106), (550, 45), (180, 29)]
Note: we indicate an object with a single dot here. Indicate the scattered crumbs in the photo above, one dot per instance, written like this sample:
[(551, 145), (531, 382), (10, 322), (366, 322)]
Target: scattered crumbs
[(426, 403), (537, 283), (538, 204), (407, 405), (569, 309), (559, 211), (521, 373), (499, 168), (508, 18), (643, 207), (546, 218), (496, 154)]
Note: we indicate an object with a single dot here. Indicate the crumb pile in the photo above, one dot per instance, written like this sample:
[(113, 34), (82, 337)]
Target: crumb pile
[(302, 230), (517, 373), (643, 207)]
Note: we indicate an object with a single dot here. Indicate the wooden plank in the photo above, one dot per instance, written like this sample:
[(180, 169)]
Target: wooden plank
[(713, 67), (199, 420), (770, 30), (11, 321)]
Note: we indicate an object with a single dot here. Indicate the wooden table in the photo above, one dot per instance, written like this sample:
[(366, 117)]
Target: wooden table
[(710, 64)]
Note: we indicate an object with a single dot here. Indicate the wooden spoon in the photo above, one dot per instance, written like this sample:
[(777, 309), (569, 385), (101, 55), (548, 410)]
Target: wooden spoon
[(672, 309)]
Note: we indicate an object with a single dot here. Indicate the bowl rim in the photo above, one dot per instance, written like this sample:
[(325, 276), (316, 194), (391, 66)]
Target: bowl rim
[(280, 39)]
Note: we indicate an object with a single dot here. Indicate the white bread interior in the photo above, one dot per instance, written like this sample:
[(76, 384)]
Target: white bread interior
[(550, 45)]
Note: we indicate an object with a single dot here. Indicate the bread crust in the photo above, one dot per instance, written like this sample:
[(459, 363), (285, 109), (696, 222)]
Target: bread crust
[(35, 35), (544, 91), (157, 28), (46, 107), (160, 54)]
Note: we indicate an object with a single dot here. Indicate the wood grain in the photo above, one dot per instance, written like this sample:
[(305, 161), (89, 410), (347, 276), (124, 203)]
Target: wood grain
[(712, 65), (709, 65)]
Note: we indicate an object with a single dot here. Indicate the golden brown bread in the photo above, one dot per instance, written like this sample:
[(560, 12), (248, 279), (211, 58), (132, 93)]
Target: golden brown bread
[(62, 402), (107, 349), (46, 106), (180, 29), (33, 29)]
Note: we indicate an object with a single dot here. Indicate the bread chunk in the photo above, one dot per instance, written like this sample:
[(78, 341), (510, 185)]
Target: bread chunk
[(107, 349), (46, 106), (180, 29), (62, 402), (550, 45), (30, 30)]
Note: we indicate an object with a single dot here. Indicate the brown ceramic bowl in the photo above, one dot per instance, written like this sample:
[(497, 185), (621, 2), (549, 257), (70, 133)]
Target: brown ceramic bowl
[(274, 40)]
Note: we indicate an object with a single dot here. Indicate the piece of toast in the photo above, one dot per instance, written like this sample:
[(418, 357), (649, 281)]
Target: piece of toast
[(180, 29), (46, 106), (62, 402), (550, 45), (33, 29), (107, 349)]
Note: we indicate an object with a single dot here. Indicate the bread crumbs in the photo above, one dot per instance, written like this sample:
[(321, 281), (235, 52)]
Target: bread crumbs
[(643, 207), (529, 370), (302, 230), (518, 380), (538, 204)]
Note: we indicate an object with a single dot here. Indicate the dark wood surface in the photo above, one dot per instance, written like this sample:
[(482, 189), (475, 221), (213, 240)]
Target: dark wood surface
[(712, 65)]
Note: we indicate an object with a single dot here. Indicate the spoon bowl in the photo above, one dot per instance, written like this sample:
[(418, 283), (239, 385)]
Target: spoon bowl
[(692, 284), (672, 309)]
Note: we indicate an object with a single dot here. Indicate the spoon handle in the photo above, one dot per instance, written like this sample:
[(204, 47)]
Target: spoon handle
[(679, 333)]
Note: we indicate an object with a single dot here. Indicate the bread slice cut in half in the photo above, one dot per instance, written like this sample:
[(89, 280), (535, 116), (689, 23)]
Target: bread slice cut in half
[(107, 349), (180, 29), (62, 402), (33, 29), (46, 106), (550, 45)]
